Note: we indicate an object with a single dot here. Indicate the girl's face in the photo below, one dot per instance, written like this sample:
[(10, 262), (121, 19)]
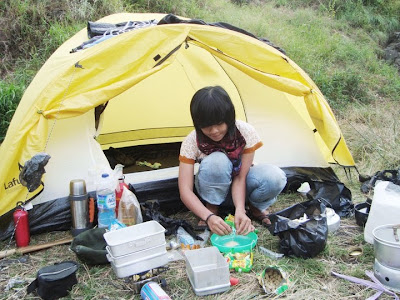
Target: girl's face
[(215, 132)]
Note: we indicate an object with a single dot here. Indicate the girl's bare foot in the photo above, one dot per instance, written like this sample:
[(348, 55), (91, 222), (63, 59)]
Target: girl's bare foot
[(260, 216)]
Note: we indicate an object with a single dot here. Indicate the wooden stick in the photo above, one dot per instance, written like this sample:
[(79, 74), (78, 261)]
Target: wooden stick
[(32, 248)]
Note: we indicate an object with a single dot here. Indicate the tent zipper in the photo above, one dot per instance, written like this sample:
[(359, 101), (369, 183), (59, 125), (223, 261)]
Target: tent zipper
[(167, 56), (56, 272)]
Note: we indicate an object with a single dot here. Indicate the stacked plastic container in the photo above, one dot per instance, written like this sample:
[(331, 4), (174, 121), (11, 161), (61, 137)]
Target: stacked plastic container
[(137, 248), (208, 271)]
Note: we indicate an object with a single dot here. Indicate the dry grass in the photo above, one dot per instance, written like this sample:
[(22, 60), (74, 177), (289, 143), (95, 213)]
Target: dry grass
[(366, 129), (310, 278), (372, 133)]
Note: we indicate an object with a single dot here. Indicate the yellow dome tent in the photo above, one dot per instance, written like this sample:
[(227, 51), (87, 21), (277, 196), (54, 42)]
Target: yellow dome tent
[(147, 77)]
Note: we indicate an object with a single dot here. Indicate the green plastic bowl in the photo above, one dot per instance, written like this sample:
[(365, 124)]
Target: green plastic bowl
[(234, 243)]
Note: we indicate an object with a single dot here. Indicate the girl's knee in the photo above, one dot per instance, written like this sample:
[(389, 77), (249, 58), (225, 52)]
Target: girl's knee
[(216, 167), (216, 159), (278, 178), (214, 178), (268, 180)]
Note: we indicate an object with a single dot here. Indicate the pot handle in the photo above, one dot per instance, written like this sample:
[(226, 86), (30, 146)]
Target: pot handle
[(396, 236)]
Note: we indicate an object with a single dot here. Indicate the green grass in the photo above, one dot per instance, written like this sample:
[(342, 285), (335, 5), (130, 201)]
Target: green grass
[(309, 278), (10, 95), (342, 56), (338, 43)]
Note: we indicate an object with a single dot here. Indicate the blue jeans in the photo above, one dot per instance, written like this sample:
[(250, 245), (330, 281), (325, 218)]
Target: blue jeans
[(213, 181)]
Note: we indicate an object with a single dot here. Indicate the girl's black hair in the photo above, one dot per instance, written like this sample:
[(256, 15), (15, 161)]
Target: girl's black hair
[(212, 105)]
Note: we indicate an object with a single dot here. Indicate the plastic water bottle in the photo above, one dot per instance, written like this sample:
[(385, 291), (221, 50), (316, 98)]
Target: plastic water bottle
[(106, 201)]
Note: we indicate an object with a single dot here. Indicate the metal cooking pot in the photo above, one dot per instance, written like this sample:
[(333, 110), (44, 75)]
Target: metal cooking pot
[(387, 245)]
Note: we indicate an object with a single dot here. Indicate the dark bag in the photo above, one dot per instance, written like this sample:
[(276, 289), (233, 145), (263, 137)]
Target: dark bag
[(302, 239), (325, 187), (385, 175), (53, 282), (90, 247)]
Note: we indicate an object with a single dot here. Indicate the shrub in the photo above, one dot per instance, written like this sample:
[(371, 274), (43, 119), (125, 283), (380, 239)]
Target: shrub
[(10, 94)]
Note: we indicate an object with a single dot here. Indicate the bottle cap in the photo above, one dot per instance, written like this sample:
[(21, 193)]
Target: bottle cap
[(77, 187)]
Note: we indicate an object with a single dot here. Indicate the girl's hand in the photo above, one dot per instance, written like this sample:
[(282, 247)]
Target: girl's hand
[(243, 223), (218, 225)]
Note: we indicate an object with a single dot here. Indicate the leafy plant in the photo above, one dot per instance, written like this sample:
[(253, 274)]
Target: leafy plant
[(10, 94)]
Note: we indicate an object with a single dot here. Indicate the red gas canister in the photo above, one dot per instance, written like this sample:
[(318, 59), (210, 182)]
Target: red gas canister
[(21, 223)]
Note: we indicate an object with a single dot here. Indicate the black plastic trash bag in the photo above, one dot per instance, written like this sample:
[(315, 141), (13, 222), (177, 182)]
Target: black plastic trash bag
[(302, 229), (151, 211), (33, 170), (334, 195), (385, 175), (90, 246), (325, 187)]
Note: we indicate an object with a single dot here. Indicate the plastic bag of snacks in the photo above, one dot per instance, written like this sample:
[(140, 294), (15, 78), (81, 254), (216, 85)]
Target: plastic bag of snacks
[(273, 280), (187, 242), (242, 260)]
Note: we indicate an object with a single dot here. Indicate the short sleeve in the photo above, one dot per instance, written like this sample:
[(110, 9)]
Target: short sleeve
[(189, 150), (253, 140)]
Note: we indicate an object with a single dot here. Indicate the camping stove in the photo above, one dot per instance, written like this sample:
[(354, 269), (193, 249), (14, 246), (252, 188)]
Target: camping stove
[(389, 277), (139, 280)]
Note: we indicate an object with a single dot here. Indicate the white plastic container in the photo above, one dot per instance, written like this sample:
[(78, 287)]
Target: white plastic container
[(137, 266), (135, 238), (332, 219), (208, 271), (138, 255), (385, 208)]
